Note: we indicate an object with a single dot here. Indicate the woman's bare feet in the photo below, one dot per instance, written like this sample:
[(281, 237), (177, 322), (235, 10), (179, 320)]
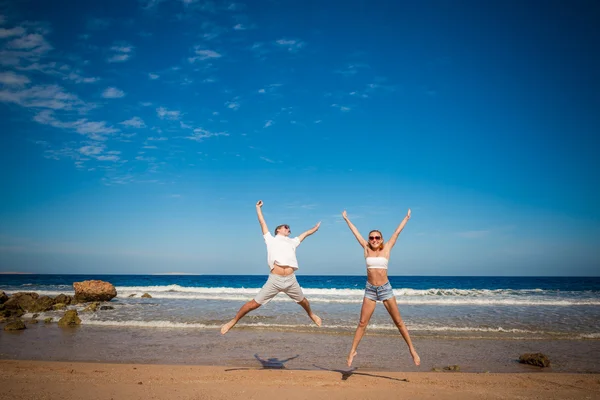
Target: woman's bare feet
[(415, 357), (351, 358), (225, 328), (316, 319)]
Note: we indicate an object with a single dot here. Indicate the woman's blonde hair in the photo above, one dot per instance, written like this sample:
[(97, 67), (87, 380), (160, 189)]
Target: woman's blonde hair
[(380, 247)]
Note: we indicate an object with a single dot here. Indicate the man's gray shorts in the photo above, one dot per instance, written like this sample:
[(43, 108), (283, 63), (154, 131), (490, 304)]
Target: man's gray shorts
[(277, 283)]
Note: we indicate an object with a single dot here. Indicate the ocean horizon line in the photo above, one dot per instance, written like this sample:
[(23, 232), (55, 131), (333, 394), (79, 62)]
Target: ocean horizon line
[(306, 275)]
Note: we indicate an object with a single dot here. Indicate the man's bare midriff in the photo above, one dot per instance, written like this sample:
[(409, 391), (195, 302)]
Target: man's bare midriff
[(377, 276), (283, 270)]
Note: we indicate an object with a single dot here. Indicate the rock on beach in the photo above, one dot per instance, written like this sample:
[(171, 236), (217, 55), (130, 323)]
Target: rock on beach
[(93, 290)]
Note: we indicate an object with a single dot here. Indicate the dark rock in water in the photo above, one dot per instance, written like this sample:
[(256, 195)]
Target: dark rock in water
[(70, 319), (537, 359), (33, 321), (3, 297), (92, 307), (94, 290), (15, 325), (131, 295), (146, 296), (8, 313), (48, 320), (63, 298), (43, 303), (452, 368), (21, 300), (107, 308), (34, 316), (59, 306)]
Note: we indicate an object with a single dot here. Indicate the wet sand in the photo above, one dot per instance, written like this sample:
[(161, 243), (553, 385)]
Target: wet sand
[(311, 351), (67, 380)]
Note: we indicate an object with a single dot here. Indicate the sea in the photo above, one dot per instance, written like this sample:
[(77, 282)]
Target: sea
[(436, 309)]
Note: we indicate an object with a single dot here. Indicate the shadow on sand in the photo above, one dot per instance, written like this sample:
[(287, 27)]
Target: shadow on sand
[(347, 374), (269, 363), (276, 363)]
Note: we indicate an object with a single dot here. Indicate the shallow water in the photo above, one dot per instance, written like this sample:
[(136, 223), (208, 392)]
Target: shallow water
[(465, 307)]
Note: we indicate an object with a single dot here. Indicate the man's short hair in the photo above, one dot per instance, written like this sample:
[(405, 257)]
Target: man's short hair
[(279, 227)]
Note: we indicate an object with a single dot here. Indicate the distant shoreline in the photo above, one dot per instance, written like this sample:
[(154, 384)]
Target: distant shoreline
[(300, 274)]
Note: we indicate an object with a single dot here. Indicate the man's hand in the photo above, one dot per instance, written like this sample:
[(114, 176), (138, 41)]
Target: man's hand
[(408, 214), (259, 204), (316, 228), (344, 214)]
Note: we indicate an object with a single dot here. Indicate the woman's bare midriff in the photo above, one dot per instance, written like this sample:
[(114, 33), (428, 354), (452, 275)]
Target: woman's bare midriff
[(377, 276), (282, 270)]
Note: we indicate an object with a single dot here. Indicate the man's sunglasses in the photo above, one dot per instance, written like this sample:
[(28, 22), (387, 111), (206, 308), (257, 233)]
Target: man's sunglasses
[(374, 237)]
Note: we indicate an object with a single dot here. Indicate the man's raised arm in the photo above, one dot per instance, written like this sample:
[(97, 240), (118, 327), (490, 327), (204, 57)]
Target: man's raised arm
[(309, 232), (261, 219)]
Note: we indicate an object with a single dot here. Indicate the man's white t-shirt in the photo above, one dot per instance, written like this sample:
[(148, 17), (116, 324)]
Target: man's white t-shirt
[(281, 250)]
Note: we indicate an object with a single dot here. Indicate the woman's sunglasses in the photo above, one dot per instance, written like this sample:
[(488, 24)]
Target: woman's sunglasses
[(374, 237)]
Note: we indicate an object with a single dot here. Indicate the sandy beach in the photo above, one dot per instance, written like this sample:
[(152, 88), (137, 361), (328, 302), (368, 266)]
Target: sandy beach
[(68, 380)]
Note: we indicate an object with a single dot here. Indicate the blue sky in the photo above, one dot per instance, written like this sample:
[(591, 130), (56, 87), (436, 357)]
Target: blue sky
[(138, 135)]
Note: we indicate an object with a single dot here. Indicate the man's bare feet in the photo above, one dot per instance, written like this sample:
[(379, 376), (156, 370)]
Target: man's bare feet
[(351, 358), (316, 319), (225, 328), (415, 357)]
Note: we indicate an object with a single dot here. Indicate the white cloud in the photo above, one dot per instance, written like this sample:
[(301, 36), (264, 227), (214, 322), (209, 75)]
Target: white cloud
[(268, 123), (9, 78), (95, 130), (42, 96), (232, 105), (239, 27), (32, 42), (124, 48), (267, 160), (261, 91), (163, 113), (118, 58), (17, 31), (290, 44), (153, 76), (341, 108), (26, 47), (113, 93), (351, 69), (135, 122), (204, 54), (122, 52), (108, 158), (75, 77), (201, 134), (91, 150)]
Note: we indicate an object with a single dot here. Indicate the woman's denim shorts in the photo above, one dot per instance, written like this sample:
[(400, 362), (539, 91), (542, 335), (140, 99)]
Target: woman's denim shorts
[(381, 293)]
